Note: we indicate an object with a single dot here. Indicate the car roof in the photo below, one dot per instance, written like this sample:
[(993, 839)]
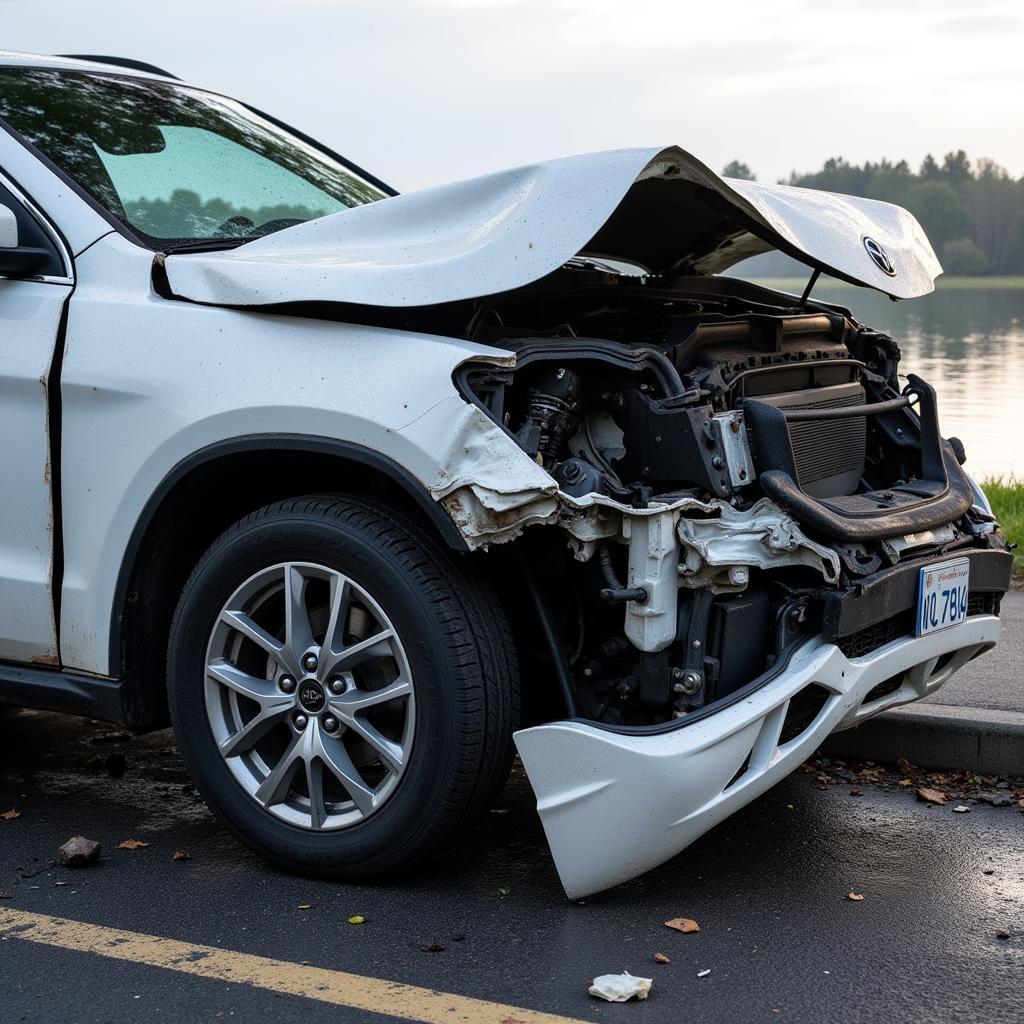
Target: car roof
[(112, 65)]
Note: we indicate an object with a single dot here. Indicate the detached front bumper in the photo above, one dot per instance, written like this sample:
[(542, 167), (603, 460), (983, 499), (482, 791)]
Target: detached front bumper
[(616, 803)]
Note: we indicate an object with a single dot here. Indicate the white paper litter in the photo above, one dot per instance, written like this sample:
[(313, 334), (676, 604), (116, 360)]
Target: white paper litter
[(617, 988)]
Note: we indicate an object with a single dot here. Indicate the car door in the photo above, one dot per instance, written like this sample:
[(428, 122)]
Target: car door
[(32, 304)]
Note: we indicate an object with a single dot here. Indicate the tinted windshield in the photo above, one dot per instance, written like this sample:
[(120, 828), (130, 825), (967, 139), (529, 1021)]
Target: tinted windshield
[(178, 165)]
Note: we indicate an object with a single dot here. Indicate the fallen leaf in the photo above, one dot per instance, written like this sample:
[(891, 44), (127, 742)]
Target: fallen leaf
[(685, 925), (357, 919), (132, 844), (78, 852), (1002, 935), (961, 809), (504, 892), (906, 782), (930, 796), (856, 897), (660, 958), (855, 792), (304, 906), (904, 766), (704, 973), (181, 855), (10, 815)]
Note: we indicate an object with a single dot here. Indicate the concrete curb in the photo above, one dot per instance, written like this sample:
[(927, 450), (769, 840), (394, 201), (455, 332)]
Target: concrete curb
[(943, 736)]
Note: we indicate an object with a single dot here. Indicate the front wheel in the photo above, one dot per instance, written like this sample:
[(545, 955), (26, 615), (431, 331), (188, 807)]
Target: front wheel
[(343, 689)]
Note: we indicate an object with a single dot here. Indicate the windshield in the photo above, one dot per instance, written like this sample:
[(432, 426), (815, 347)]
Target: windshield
[(178, 165)]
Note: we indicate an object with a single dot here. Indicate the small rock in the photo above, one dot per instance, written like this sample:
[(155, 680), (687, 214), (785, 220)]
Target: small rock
[(660, 958), (854, 897), (855, 792), (433, 947), (1002, 935), (996, 799), (683, 924), (79, 852)]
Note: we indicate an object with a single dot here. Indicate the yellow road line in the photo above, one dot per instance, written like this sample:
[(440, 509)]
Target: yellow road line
[(374, 995)]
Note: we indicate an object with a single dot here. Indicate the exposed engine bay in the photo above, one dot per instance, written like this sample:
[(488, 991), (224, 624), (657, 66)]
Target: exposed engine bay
[(729, 459)]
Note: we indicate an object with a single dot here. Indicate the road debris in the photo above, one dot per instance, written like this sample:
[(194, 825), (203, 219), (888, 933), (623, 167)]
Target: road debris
[(79, 852), (660, 958), (433, 947), (965, 787), (618, 988), (855, 897), (357, 919), (132, 844), (10, 815), (181, 855), (304, 906), (1002, 935), (961, 809), (685, 925), (704, 973), (855, 792)]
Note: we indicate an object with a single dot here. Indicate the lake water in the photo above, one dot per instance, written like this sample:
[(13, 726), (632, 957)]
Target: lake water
[(968, 343)]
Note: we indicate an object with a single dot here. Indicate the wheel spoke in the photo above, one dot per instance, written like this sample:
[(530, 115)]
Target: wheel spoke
[(274, 788), (341, 603), (347, 705), (258, 635), (377, 646), (259, 690), (390, 752), (297, 630), (337, 761), (315, 785), (272, 713)]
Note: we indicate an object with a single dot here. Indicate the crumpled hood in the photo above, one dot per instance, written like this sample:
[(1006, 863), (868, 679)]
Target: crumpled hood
[(662, 209)]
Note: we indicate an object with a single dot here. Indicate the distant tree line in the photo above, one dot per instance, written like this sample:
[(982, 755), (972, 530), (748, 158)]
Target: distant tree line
[(973, 214)]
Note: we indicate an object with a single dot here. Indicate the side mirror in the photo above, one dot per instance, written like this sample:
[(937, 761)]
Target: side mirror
[(16, 260)]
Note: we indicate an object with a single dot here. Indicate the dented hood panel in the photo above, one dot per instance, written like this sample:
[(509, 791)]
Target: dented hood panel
[(662, 209)]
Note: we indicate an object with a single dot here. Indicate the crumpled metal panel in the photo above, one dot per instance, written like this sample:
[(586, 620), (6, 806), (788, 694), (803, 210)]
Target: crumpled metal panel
[(659, 208)]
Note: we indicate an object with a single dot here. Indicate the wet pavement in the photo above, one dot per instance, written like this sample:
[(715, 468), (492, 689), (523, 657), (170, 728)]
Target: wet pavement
[(768, 887)]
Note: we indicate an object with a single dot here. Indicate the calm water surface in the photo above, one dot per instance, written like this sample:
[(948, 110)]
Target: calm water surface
[(968, 344)]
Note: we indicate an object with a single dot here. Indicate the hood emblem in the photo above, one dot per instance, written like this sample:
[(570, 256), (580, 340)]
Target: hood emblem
[(879, 256)]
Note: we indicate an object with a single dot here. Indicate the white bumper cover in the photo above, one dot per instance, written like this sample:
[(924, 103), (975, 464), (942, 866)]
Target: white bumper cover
[(615, 805)]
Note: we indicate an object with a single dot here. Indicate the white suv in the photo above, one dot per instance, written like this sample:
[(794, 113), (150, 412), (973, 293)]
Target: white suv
[(359, 490)]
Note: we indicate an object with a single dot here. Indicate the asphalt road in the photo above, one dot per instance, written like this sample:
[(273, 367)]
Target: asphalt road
[(768, 887)]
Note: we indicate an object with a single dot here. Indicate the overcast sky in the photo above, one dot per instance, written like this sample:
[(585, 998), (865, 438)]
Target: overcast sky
[(423, 91)]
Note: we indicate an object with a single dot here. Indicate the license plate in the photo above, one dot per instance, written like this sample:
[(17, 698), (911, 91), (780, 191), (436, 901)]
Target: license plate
[(942, 595)]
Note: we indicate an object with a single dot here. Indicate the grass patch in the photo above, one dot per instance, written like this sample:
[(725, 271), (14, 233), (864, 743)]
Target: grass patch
[(1007, 497)]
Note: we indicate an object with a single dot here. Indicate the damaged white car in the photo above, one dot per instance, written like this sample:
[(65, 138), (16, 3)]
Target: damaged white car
[(364, 492)]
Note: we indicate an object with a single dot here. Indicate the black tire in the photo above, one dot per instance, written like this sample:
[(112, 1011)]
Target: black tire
[(462, 659)]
